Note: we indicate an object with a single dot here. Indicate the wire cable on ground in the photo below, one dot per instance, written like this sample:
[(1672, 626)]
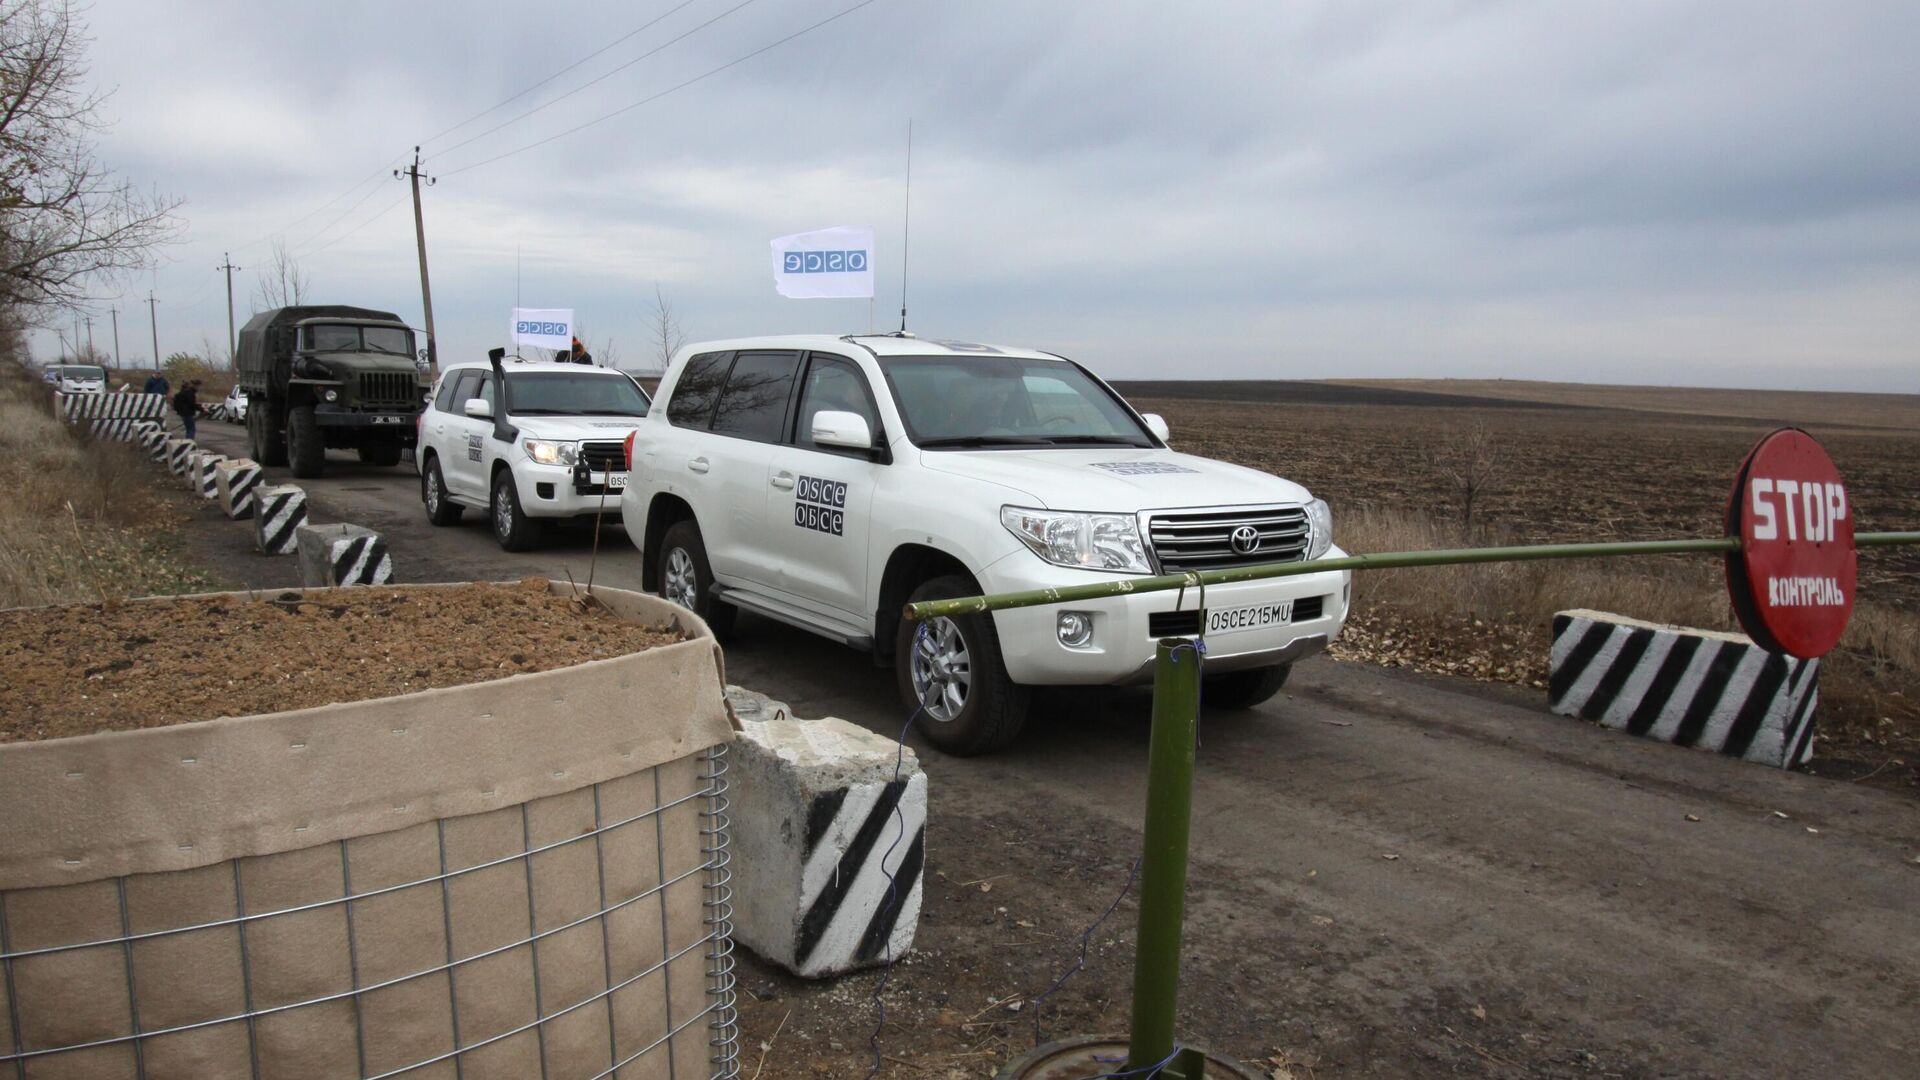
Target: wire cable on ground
[(893, 899), (657, 96), (662, 47)]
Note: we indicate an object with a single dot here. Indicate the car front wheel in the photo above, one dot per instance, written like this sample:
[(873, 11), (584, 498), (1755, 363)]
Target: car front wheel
[(511, 526), (950, 672)]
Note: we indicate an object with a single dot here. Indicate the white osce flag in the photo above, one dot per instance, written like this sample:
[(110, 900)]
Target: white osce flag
[(826, 263), (549, 328)]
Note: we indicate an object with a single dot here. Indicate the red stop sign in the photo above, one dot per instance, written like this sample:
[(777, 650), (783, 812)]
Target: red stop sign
[(1792, 581)]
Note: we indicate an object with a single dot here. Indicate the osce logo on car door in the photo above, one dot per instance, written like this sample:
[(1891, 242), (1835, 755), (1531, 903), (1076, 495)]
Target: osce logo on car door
[(820, 505)]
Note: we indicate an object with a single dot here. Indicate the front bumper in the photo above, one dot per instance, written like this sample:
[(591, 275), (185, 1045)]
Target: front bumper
[(559, 491), (1121, 651), (404, 426)]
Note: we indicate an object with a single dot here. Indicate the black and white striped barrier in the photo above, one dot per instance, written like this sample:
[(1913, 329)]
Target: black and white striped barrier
[(820, 825), (278, 513), (1702, 688), (73, 407), (204, 475), (235, 482), (154, 438), (340, 555), (180, 455)]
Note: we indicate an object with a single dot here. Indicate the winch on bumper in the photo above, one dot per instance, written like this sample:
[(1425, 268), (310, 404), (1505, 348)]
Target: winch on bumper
[(1249, 624)]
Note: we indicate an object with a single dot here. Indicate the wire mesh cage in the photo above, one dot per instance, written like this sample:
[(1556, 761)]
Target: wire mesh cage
[(578, 935)]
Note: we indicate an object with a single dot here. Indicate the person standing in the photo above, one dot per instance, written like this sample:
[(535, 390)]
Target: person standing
[(577, 355), (187, 404), (156, 384)]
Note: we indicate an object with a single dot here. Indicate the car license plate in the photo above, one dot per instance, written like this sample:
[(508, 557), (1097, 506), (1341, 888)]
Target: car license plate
[(1252, 617), (616, 481)]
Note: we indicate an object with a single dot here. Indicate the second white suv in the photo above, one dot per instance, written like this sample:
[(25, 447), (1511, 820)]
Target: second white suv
[(527, 442), (828, 481)]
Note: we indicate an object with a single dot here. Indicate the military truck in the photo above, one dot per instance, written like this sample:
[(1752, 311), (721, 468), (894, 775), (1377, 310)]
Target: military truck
[(329, 376)]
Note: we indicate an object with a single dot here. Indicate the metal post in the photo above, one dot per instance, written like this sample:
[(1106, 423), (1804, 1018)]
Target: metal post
[(226, 264), (414, 175), (1163, 869), (153, 320), (115, 312)]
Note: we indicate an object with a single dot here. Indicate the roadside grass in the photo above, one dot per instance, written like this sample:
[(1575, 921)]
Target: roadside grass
[(1493, 621), (80, 521)]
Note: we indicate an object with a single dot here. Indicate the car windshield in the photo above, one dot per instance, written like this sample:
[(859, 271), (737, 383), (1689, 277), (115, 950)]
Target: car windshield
[(570, 393), (343, 337), (82, 371), (977, 402)]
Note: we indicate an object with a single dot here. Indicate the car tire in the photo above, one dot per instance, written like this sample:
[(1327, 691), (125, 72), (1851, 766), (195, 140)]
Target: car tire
[(306, 450), (511, 526), (269, 442), (686, 578), (433, 495), (1243, 689), (971, 706), (381, 454)]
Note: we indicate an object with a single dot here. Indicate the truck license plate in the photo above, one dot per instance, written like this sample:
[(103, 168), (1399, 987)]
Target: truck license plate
[(1252, 617)]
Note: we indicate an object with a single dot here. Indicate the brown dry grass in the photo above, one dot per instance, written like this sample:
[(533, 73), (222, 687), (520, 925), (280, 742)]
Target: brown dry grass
[(80, 520), (1894, 411)]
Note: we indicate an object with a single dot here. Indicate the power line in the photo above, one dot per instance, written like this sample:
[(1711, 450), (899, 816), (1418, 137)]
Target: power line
[(656, 97), (323, 207), (388, 209), (656, 50), (649, 24)]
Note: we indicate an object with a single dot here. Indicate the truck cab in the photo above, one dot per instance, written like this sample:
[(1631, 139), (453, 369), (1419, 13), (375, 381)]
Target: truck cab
[(329, 377)]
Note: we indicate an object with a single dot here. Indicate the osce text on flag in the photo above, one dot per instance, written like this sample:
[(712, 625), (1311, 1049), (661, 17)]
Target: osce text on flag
[(547, 328), (825, 263)]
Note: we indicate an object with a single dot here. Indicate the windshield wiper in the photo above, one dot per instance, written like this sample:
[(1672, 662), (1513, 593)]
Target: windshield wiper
[(1097, 440), (985, 440)]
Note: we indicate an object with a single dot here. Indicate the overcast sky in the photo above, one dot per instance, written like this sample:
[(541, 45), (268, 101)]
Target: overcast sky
[(1721, 194)]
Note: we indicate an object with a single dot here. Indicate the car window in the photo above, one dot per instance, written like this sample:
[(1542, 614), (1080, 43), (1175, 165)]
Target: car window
[(485, 393), (754, 404), (469, 389), (575, 393), (695, 392), (444, 399), (982, 402), (833, 384)]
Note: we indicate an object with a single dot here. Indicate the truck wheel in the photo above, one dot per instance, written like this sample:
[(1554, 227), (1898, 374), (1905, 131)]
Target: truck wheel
[(511, 526), (433, 492), (269, 442), (380, 454), (687, 579), (949, 669), (1243, 689), (306, 451)]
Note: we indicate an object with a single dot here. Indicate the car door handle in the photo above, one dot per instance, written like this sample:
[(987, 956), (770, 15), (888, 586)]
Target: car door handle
[(783, 481), (698, 464)]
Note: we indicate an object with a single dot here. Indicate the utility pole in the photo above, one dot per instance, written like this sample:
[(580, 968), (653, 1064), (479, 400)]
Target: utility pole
[(154, 321), (115, 312), (228, 266), (89, 339), (412, 173)]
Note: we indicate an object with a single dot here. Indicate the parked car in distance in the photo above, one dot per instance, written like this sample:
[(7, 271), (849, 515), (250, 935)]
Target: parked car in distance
[(826, 482), (528, 442), (236, 405), (79, 379)]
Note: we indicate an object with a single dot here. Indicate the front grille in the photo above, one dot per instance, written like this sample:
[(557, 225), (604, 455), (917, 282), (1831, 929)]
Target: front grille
[(604, 456), (382, 389), (1204, 540)]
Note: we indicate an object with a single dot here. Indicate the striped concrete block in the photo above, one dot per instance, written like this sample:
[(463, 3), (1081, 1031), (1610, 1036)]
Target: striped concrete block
[(333, 556), (72, 407), (235, 482), (1702, 688), (278, 513), (829, 844), (117, 430), (155, 441), (179, 455), (204, 465)]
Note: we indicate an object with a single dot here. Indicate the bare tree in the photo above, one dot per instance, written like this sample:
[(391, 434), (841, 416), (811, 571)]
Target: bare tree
[(64, 219), (284, 282), (1470, 460), (665, 332)]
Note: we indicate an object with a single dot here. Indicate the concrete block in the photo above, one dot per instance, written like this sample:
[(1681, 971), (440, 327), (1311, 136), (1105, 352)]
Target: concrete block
[(1702, 688), (820, 825), (277, 516), (154, 438), (204, 464), (179, 452), (332, 555), (235, 482)]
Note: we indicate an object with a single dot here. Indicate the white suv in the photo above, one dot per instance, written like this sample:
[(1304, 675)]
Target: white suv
[(551, 446), (79, 379), (828, 481)]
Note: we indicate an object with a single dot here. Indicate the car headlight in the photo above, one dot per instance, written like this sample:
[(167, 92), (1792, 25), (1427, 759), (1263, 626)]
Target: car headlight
[(1083, 541), (1319, 528), (551, 453)]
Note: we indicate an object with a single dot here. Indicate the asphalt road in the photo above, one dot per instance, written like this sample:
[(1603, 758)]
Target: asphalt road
[(1439, 875)]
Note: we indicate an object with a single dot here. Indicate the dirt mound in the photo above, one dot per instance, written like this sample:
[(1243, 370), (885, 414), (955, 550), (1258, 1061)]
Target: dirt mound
[(121, 666)]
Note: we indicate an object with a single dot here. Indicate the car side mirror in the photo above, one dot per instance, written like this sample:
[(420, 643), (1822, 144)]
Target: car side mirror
[(478, 408), (1156, 424), (845, 430)]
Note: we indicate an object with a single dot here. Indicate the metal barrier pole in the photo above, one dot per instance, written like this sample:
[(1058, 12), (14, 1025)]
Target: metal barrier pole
[(1163, 869)]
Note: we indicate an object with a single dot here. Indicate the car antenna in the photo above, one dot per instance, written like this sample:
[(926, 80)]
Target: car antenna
[(906, 226)]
